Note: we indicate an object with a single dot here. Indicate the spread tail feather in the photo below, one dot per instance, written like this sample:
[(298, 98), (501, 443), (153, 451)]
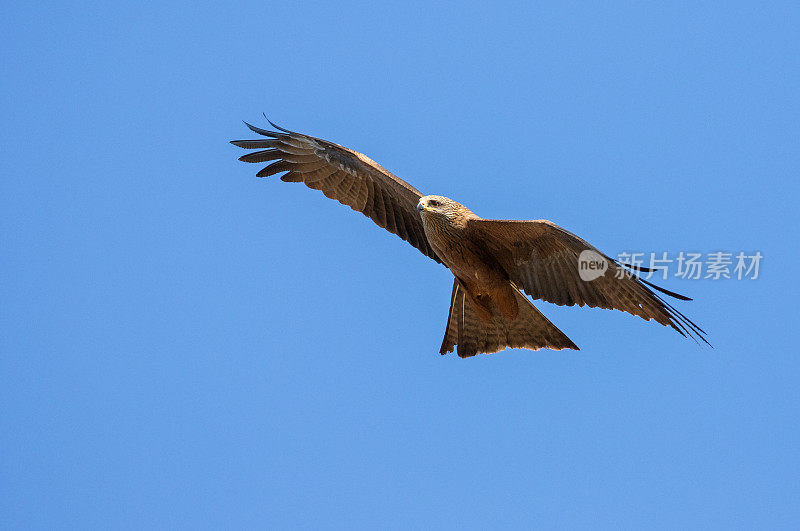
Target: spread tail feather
[(472, 335)]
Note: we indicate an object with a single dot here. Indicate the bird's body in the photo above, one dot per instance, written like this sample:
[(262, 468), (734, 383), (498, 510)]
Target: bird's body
[(446, 226), (493, 261)]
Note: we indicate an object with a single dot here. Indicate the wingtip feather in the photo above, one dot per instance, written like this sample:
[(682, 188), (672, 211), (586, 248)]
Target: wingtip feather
[(276, 126)]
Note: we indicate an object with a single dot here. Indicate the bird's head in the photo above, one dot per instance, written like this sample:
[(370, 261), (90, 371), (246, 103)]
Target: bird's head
[(440, 206)]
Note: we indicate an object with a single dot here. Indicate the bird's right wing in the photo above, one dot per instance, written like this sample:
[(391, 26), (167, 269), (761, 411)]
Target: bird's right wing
[(543, 259), (340, 173)]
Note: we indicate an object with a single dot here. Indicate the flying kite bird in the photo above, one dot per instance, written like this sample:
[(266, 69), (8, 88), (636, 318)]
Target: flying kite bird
[(493, 261)]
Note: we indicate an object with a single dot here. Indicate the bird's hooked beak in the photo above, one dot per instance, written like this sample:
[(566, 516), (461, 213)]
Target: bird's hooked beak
[(420, 206)]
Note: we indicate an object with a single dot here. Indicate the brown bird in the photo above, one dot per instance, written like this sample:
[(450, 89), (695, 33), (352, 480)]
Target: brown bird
[(491, 260)]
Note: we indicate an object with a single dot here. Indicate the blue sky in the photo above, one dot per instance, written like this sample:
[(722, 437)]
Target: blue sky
[(185, 345)]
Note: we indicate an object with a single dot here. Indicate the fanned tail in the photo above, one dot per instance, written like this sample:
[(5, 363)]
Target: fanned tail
[(472, 335)]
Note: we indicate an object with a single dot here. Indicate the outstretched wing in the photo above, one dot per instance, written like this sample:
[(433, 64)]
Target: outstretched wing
[(349, 177), (542, 258)]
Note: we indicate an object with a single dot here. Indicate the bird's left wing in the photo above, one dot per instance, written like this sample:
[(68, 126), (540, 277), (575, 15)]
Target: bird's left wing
[(340, 173), (543, 259)]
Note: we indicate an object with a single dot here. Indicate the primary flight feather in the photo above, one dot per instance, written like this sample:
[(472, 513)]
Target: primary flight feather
[(493, 261)]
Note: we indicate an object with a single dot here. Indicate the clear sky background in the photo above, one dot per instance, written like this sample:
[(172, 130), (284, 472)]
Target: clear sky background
[(185, 345)]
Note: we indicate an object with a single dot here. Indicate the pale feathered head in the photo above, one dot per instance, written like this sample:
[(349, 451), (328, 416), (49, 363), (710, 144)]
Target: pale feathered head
[(438, 205)]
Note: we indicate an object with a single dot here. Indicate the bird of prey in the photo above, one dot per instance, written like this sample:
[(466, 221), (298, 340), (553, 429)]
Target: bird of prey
[(493, 261)]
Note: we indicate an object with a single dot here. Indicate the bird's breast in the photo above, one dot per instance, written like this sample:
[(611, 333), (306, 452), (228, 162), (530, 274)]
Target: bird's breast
[(465, 258)]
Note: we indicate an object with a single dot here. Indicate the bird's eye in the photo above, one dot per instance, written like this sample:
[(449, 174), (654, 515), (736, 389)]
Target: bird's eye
[(434, 203)]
